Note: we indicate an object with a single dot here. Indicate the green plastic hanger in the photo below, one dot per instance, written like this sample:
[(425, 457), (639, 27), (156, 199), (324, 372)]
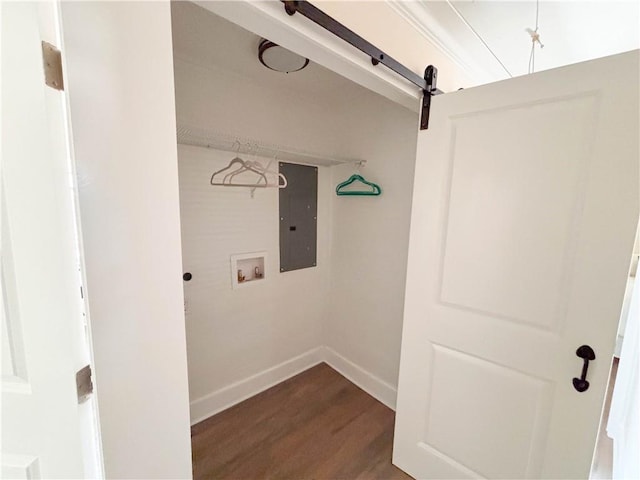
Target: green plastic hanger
[(358, 178)]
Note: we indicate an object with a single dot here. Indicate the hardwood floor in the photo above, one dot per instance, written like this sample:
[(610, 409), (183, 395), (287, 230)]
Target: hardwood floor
[(316, 425)]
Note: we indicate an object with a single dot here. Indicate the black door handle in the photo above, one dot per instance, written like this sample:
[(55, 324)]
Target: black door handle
[(586, 353)]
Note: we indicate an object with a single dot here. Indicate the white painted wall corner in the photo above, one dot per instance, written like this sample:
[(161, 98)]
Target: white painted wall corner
[(379, 389), (219, 400)]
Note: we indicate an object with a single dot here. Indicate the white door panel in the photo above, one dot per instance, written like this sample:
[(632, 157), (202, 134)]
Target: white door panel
[(45, 432), (525, 210)]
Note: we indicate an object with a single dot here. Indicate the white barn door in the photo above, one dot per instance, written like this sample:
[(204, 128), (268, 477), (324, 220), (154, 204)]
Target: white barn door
[(45, 432), (525, 208)]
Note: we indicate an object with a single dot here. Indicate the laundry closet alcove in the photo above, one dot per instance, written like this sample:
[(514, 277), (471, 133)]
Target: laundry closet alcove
[(347, 309)]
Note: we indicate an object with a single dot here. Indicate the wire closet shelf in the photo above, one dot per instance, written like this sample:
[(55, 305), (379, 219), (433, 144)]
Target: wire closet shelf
[(242, 145)]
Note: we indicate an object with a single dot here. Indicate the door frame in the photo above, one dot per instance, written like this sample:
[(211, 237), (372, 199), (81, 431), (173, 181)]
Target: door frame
[(41, 23)]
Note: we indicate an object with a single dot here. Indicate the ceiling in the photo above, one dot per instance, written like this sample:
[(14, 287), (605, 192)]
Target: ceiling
[(489, 38), (204, 38)]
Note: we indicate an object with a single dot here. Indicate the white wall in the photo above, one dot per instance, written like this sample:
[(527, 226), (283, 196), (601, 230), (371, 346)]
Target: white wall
[(119, 76), (370, 242), (216, 99), (233, 334)]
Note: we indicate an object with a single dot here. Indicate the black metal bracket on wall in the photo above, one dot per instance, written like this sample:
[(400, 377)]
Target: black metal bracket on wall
[(427, 83)]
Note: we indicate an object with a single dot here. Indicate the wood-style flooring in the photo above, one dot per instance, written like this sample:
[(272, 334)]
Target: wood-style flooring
[(316, 425)]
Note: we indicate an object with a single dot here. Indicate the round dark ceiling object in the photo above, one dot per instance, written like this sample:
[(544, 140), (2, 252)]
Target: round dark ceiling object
[(279, 59)]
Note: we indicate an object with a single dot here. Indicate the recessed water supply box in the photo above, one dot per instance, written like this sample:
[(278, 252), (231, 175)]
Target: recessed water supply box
[(247, 269)]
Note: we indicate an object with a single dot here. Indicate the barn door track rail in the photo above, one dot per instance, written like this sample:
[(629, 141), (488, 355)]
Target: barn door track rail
[(427, 83)]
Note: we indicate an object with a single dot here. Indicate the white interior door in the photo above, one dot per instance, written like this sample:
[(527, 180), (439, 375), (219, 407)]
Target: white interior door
[(525, 209), (45, 432)]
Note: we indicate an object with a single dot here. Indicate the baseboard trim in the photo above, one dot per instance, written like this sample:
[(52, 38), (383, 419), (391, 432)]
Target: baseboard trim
[(374, 386), (215, 402)]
